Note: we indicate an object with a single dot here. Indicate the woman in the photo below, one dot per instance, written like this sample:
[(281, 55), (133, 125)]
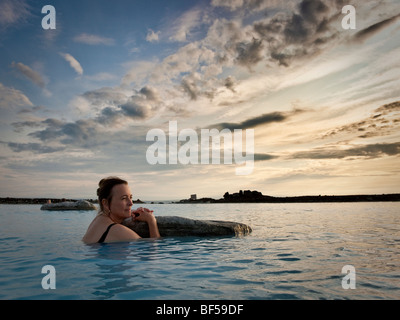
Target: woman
[(115, 200)]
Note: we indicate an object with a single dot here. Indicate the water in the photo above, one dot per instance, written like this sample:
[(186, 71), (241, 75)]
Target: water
[(296, 251)]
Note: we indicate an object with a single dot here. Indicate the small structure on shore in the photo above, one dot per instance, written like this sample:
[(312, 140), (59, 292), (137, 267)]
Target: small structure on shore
[(69, 205)]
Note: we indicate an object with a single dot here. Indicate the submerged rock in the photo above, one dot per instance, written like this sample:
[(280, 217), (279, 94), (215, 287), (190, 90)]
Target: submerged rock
[(170, 226), (69, 205)]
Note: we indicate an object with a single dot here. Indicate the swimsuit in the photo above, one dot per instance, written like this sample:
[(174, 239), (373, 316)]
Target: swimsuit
[(103, 237)]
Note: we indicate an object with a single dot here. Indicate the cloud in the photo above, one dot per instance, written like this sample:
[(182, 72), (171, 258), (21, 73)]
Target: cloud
[(263, 119), (92, 39), (384, 121), (10, 98), (263, 157), (249, 54), (102, 76), (370, 151), (139, 72), (13, 12), (150, 93), (230, 83), (106, 96), (251, 5), (189, 59), (185, 24), (119, 105), (81, 133), (288, 32), (152, 36), (141, 105), (364, 34), (32, 109), (230, 4), (86, 135), (32, 75), (190, 88), (33, 147), (312, 9), (72, 62), (115, 106), (136, 109), (387, 108)]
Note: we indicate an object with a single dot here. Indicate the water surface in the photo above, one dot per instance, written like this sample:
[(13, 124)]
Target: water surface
[(296, 251)]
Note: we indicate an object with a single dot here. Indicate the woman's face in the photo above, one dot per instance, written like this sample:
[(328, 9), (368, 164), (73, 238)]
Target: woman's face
[(121, 202)]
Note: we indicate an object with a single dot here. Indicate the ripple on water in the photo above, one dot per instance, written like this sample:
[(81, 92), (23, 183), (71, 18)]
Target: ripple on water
[(295, 252)]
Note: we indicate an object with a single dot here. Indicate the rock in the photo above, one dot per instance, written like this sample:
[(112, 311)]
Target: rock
[(170, 226), (69, 205)]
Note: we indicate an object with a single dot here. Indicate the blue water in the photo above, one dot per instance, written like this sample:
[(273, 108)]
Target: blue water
[(296, 251)]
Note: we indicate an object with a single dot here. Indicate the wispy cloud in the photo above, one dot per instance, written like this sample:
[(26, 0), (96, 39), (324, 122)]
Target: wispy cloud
[(152, 36), (263, 119), (13, 12), (185, 24), (73, 63), (234, 5), (33, 147), (32, 75), (362, 35), (102, 76), (370, 151), (384, 121), (92, 39)]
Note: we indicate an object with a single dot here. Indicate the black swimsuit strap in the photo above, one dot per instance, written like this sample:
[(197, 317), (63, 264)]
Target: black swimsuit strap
[(103, 237)]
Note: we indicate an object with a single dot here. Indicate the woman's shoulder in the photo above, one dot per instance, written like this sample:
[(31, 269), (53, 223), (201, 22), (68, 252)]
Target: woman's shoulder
[(118, 232), (96, 229)]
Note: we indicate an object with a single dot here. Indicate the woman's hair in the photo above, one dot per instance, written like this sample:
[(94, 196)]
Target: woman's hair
[(105, 187)]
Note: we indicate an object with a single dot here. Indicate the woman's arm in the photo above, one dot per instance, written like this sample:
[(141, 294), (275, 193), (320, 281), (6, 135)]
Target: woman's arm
[(146, 215), (153, 229)]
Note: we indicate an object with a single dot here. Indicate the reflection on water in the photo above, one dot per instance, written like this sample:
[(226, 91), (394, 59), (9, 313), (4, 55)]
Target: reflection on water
[(114, 264), (296, 251)]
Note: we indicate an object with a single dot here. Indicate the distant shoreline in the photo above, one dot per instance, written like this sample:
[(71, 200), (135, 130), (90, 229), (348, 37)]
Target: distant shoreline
[(11, 200), (240, 197), (303, 199)]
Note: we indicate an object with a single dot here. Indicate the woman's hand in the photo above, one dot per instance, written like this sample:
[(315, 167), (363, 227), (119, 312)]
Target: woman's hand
[(143, 214), (146, 215)]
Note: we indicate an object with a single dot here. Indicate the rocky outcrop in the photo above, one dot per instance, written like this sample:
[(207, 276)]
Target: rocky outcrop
[(69, 205), (170, 226)]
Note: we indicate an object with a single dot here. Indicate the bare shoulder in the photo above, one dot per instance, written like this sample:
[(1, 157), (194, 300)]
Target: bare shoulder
[(96, 229), (121, 233), (92, 231)]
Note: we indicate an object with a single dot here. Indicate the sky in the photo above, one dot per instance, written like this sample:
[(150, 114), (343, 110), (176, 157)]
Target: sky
[(78, 101)]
